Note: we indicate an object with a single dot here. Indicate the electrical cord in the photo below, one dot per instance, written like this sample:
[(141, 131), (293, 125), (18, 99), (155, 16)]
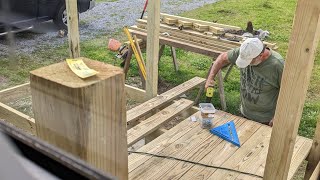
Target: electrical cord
[(192, 162)]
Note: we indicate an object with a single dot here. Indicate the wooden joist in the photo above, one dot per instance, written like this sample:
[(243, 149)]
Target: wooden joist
[(143, 109), (17, 118), (15, 93), (151, 124)]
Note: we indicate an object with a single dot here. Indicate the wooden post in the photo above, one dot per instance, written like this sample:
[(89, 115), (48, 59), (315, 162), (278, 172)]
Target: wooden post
[(85, 117), (153, 48), (73, 28), (314, 156), (295, 80)]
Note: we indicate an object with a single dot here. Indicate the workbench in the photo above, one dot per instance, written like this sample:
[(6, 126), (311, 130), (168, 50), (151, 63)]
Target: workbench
[(188, 141)]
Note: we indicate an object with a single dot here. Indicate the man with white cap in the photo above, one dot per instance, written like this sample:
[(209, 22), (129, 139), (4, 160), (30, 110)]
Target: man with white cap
[(260, 78)]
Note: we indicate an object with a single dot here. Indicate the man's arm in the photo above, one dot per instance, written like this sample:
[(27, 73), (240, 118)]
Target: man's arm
[(220, 62)]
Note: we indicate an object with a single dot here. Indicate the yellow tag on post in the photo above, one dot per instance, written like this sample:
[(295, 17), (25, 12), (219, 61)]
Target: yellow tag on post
[(80, 68)]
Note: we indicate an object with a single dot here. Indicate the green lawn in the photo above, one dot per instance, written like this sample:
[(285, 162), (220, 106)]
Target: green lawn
[(274, 16)]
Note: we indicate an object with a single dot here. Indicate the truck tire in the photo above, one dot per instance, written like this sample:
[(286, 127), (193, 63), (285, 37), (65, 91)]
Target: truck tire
[(61, 18)]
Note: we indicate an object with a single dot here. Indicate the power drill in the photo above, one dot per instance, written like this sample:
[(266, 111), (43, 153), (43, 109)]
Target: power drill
[(209, 94)]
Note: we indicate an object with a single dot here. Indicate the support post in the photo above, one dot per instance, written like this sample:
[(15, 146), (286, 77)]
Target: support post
[(153, 48), (73, 28), (85, 117), (314, 156), (296, 76)]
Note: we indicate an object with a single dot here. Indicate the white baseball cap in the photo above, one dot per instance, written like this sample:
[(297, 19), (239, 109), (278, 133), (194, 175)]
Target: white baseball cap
[(249, 49)]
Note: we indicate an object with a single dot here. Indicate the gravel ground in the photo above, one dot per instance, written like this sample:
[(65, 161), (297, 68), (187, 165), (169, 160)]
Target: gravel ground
[(105, 18)]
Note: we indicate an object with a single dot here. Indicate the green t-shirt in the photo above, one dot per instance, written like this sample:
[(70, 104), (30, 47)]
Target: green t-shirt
[(260, 86)]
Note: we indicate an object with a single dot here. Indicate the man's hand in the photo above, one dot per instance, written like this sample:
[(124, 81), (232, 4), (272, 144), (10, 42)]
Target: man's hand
[(209, 82), (271, 122)]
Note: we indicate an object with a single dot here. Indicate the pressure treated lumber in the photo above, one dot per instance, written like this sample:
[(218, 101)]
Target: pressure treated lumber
[(73, 28), (314, 156), (316, 173), (179, 44), (296, 76), (173, 31), (17, 118), (188, 147), (143, 109), (153, 48), (163, 15), (15, 93), (191, 40), (151, 124), (85, 117)]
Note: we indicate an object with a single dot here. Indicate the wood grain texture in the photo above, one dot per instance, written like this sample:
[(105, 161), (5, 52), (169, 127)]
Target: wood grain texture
[(17, 118), (314, 156), (180, 44), (151, 124), (15, 93), (153, 48), (316, 173), (188, 147), (296, 76), (143, 109), (163, 15), (73, 28), (163, 141), (177, 35), (85, 117)]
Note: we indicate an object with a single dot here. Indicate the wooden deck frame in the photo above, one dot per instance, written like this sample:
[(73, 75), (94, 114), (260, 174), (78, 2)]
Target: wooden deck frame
[(303, 43)]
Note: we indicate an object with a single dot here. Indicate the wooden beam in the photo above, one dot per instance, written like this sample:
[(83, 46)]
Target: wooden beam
[(153, 48), (314, 156), (73, 28), (143, 109), (154, 122), (85, 117), (17, 118), (173, 31), (135, 94), (316, 173), (15, 93), (163, 15), (183, 45), (296, 76)]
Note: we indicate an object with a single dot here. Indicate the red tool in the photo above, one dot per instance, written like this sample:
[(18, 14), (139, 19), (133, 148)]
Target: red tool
[(144, 9)]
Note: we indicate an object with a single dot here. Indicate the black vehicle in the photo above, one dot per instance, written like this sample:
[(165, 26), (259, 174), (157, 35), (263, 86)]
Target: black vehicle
[(23, 14)]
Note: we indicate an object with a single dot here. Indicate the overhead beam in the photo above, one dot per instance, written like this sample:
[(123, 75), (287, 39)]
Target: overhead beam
[(153, 48), (296, 76), (73, 28)]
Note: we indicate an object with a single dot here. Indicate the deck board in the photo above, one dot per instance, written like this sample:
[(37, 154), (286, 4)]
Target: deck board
[(199, 145), (149, 125), (143, 109)]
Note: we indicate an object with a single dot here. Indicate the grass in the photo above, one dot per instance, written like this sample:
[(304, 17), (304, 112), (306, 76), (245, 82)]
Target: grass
[(274, 16)]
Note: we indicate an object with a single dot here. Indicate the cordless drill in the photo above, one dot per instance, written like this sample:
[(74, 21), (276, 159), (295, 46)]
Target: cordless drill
[(209, 94)]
